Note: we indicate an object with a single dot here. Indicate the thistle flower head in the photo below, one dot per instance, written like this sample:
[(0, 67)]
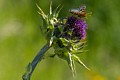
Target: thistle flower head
[(71, 21), (77, 26), (80, 29), (65, 37)]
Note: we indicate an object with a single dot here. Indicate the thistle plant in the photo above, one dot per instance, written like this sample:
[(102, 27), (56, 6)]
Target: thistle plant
[(66, 35)]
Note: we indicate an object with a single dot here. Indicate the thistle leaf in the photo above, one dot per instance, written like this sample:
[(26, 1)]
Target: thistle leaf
[(44, 26), (49, 37), (79, 45), (41, 12), (51, 41), (65, 42), (51, 26), (60, 28), (56, 10), (57, 13), (51, 8), (76, 58), (71, 64), (78, 51)]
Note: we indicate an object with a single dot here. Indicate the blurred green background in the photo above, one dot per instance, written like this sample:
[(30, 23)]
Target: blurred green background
[(21, 39)]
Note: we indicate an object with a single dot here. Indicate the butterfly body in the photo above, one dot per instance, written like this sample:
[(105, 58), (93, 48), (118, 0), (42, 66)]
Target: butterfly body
[(81, 11)]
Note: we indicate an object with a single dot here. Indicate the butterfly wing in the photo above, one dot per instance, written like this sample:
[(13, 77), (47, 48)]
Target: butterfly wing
[(74, 10), (82, 7)]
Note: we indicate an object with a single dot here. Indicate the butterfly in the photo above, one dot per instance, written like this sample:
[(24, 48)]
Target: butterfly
[(81, 11)]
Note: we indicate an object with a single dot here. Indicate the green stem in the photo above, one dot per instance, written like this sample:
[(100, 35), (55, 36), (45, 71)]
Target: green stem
[(31, 66)]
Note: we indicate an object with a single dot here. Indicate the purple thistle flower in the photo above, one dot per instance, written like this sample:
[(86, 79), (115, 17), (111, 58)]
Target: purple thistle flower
[(71, 21), (78, 27)]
